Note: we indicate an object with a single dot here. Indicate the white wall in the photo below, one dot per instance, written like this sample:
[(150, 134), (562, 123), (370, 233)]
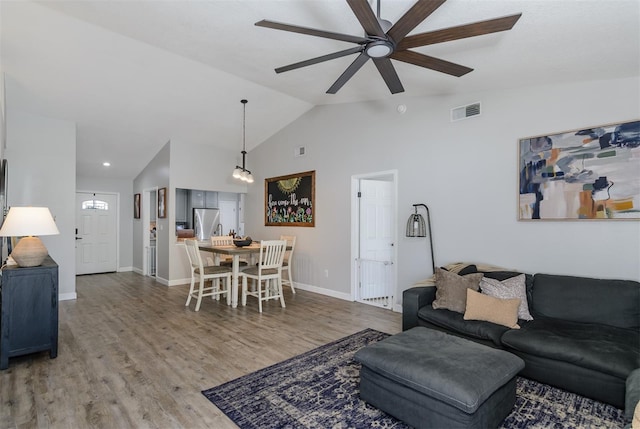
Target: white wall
[(41, 158), (124, 189), (155, 174), (466, 172)]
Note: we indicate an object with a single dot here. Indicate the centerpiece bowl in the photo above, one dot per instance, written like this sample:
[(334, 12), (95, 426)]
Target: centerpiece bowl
[(242, 242)]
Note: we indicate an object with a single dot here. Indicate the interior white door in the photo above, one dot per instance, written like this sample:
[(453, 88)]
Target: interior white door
[(96, 233), (375, 261)]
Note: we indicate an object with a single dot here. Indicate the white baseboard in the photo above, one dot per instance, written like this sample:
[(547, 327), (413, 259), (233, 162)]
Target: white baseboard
[(179, 282), (125, 269), (323, 291), (137, 271), (67, 296), (163, 281)]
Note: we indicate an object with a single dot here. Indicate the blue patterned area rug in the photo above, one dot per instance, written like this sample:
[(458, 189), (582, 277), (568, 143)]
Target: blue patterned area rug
[(319, 389)]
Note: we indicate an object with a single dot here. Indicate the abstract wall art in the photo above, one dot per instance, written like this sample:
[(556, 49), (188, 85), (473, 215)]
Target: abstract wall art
[(590, 173)]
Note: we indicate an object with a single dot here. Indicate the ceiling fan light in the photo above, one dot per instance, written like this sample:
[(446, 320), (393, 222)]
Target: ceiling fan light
[(379, 49)]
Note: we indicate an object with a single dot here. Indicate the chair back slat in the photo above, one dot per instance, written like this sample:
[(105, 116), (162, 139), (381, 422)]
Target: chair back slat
[(271, 253), (291, 242), (221, 240), (193, 252)]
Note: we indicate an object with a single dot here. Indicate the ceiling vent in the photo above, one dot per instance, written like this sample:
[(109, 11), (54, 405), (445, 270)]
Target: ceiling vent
[(464, 112), (299, 151)]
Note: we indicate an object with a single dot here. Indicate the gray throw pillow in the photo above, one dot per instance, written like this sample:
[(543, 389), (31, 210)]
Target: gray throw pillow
[(514, 287), (451, 289)]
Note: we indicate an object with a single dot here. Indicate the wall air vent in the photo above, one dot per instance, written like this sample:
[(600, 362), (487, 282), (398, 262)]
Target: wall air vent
[(464, 112), (299, 151)]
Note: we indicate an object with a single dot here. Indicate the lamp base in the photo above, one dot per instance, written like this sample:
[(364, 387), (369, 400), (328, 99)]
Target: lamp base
[(29, 252)]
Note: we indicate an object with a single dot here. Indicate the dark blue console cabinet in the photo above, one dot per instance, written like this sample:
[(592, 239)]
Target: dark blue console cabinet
[(29, 317)]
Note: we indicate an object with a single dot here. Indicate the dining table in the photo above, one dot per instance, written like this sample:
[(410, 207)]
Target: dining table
[(235, 252)]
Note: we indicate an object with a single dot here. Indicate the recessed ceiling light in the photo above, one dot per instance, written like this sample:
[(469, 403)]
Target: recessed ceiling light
[(106, 164)]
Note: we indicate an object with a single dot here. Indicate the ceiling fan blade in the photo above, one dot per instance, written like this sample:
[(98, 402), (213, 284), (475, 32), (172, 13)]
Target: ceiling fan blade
[(312, 31), (460, 32), (320, 59), (414, 16), (388, 73), (432, 63), (348, 73), (367, 18)]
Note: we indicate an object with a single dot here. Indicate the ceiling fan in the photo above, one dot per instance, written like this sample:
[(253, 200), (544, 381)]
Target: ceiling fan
[(384, 41)]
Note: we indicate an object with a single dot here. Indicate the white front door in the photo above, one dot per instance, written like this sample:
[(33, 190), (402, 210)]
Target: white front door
[(376, 241), (96, 233)]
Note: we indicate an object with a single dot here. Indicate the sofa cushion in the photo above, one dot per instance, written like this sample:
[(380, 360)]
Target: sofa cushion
[(514, 287), (581, 299), (451, 289), (455, 323), (608, 349), (503, 275), (484, 307)]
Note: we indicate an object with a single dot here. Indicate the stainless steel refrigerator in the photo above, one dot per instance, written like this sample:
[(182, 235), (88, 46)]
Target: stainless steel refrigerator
[(206, 223)]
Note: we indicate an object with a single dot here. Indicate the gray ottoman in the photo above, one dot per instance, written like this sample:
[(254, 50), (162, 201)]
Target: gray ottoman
[(430, 379)]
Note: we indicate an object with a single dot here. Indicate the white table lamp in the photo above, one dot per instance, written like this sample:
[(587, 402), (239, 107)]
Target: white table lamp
[(28, 222)]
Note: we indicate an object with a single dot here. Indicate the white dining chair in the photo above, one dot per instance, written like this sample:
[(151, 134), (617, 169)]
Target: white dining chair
[(268, 270), (288, 259), (224, 240), (203, 273)]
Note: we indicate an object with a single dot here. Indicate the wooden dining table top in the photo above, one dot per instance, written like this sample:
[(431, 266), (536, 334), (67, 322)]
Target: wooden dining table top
[(232, 249)]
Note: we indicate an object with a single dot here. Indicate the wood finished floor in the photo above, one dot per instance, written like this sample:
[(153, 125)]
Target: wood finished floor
[(131, 355)]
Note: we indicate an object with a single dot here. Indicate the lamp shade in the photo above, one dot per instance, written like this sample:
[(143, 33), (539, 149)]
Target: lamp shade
[(26, 221), (416, 226)]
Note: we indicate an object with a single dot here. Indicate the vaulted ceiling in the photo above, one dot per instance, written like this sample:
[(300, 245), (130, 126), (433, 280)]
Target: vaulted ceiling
[(136, 74)]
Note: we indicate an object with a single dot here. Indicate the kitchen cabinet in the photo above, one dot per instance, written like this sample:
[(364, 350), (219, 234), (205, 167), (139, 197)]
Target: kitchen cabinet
[(211, 200), (28, 311), (181, 205)]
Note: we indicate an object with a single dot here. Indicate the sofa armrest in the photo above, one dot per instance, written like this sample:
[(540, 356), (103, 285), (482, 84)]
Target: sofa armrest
[(412, 300)]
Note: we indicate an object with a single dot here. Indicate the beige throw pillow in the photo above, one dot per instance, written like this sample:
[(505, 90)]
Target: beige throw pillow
[(495, 310), (513, 287), (451, 289)]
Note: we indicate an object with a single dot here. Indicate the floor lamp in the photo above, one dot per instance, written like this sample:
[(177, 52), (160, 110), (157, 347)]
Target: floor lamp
[(416, 228)]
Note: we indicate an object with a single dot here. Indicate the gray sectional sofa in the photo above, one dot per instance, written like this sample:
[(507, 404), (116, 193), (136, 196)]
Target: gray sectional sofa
[(584, 336)]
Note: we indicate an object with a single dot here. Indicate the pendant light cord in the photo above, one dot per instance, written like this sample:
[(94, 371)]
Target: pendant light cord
[(244, 122), (241, 172)]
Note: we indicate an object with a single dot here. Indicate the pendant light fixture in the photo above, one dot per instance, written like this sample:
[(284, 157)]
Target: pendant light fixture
[(241, 172)]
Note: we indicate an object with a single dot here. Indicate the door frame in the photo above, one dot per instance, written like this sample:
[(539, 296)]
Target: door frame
[(355, 227), (118, 202), (146, 234)]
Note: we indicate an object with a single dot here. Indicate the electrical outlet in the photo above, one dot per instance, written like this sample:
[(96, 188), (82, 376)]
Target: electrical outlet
[(326, 273)]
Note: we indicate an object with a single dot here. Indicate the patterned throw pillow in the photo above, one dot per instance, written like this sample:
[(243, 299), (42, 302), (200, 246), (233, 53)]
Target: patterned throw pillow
[(513, 287), (451, 289)]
